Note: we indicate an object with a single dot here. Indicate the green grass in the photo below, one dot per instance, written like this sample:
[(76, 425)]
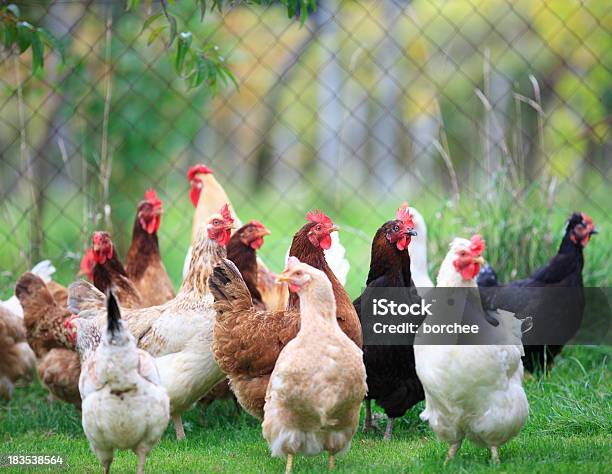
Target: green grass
[(569, 430)]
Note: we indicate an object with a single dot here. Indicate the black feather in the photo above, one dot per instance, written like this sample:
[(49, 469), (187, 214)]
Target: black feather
[(113, 313)]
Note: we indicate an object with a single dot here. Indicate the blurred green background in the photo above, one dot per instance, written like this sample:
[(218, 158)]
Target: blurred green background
[(488, 116)]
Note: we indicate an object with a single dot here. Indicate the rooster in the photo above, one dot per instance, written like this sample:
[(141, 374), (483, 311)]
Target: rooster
[(58, 365), (315, 391), (564, 270), (109, 273), (124, 405), (392, 379), (247, 341), (207, 194), (17, 360), (184, 357), (144, 266), (472, 391)]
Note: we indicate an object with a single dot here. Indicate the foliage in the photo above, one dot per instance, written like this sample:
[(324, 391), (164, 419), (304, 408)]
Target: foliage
[(21, 35), (203, 64)]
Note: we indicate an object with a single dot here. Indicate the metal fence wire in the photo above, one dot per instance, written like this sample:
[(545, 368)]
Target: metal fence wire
[(451, 106)]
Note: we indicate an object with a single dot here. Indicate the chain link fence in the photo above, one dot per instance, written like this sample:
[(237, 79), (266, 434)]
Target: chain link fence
[(483, 114)]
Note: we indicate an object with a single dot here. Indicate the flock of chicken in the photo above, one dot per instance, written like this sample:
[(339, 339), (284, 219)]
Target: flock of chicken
[(131, 354)]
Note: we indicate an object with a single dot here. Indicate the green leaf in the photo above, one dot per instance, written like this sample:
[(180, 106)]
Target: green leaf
[(38, 51), (53, 43), (10, 35), (201, 71), (151, 19), (184, 42), (132, 4), (202, 9), (24, 36), (155, 33), (14, 9), (172, 22)]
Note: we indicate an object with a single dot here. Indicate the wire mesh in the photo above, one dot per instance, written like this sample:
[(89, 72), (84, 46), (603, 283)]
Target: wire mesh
[(453, 106)]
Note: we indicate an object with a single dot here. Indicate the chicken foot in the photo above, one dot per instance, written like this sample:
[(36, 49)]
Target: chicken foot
[(178, 427), (367, 422)]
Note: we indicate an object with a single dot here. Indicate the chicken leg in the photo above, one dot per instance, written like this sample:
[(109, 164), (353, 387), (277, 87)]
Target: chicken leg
[(452, 450), (331, 462), (494, 455), (178, 427), (389, 429), (289, 463), (367, 422)]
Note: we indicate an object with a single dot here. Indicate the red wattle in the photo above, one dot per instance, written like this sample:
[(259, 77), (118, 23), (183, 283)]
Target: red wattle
[(325, 242), (194, 194), (257, 243)]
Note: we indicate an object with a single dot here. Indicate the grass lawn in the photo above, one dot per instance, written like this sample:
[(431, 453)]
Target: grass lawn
[(569, 430)]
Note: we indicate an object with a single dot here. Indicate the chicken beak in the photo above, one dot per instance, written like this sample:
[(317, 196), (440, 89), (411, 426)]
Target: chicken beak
[(158, 212), (230, 226), (265, 231), (412, 233), (479, 260), (594, 231), (334, 228), (282, 278)]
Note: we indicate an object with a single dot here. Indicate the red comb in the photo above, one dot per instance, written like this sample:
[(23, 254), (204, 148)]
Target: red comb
[(151, 196), (403, 214), (225, 213), (256, 223), (198, 169), (318, 217), (477, 245)]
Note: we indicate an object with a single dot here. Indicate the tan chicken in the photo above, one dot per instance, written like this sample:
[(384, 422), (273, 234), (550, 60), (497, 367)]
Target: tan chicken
[(58, 366), (247, 341), (178, 333), (145, 268), (17, 360), (315, 391)]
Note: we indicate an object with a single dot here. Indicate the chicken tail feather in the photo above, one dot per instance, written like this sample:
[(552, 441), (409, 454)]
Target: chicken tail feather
[(114, 314), (228, 288)]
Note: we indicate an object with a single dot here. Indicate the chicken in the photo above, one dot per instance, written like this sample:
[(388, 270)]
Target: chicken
[(471, 391), (314, 396), (17, 360), (418, 251), (392, 379), (124, 404), (44, 270), (109, 273), (178, 333), (144, 266), (274, 295), (247, 341), (564, 270), (241, 250), (58, 366)]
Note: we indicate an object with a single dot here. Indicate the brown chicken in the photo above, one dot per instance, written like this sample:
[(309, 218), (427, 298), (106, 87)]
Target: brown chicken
[(247, 341), (109, 273), (58, 366), (17, 360), (144, 266)]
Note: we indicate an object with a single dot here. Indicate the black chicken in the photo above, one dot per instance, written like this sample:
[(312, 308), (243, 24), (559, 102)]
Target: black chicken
[(564, 270), (391, 374)]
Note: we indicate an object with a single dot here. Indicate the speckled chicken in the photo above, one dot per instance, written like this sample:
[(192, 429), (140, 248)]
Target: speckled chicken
[(17, 360)]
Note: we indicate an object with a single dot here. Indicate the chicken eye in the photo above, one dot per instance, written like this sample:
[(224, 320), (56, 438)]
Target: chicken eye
[(396, 228), (318, 227), (216, 222)]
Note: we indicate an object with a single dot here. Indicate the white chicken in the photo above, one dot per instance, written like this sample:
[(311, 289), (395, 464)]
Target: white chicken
[(473, 392), (124, 406), (315, 390), (418, 252), (178, 333)]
